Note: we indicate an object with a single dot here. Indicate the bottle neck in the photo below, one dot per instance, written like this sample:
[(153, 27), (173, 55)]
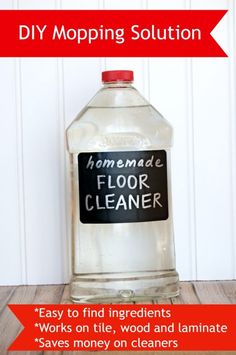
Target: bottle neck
[(117, 94), (118, 84)]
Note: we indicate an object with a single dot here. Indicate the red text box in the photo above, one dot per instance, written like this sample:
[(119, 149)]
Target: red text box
[(109, 33)]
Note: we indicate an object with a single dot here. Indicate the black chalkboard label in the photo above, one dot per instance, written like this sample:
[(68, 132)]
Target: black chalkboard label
[(123, 187)]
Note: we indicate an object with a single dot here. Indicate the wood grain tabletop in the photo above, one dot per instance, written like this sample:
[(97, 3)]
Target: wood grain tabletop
[(208, 292)]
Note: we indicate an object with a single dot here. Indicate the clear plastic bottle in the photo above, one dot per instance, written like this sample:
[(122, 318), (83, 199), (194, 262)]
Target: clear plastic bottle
[(122, 230)]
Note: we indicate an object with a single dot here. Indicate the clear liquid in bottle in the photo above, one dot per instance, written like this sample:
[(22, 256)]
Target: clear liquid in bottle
[(122, 228)]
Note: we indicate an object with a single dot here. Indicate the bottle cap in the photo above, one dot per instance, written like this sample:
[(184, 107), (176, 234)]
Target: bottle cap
[(117, 75)]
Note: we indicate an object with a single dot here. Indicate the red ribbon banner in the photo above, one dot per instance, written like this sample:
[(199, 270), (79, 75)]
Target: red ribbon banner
[(125, 327), (109, 33)]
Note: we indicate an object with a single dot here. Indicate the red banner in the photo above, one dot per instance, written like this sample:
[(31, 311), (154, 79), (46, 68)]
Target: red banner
[(109, 33), (126, 327)]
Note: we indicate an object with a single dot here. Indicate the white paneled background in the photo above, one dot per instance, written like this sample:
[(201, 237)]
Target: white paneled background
[(40, 97)]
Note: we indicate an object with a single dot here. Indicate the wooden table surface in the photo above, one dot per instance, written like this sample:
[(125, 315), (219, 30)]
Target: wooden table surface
[(217, 292)]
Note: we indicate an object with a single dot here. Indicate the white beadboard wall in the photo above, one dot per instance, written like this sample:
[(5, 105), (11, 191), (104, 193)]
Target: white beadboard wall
[(39, 97)]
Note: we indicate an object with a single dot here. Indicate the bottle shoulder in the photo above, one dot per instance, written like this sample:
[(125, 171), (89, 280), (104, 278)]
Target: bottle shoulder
[(119, 127)]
